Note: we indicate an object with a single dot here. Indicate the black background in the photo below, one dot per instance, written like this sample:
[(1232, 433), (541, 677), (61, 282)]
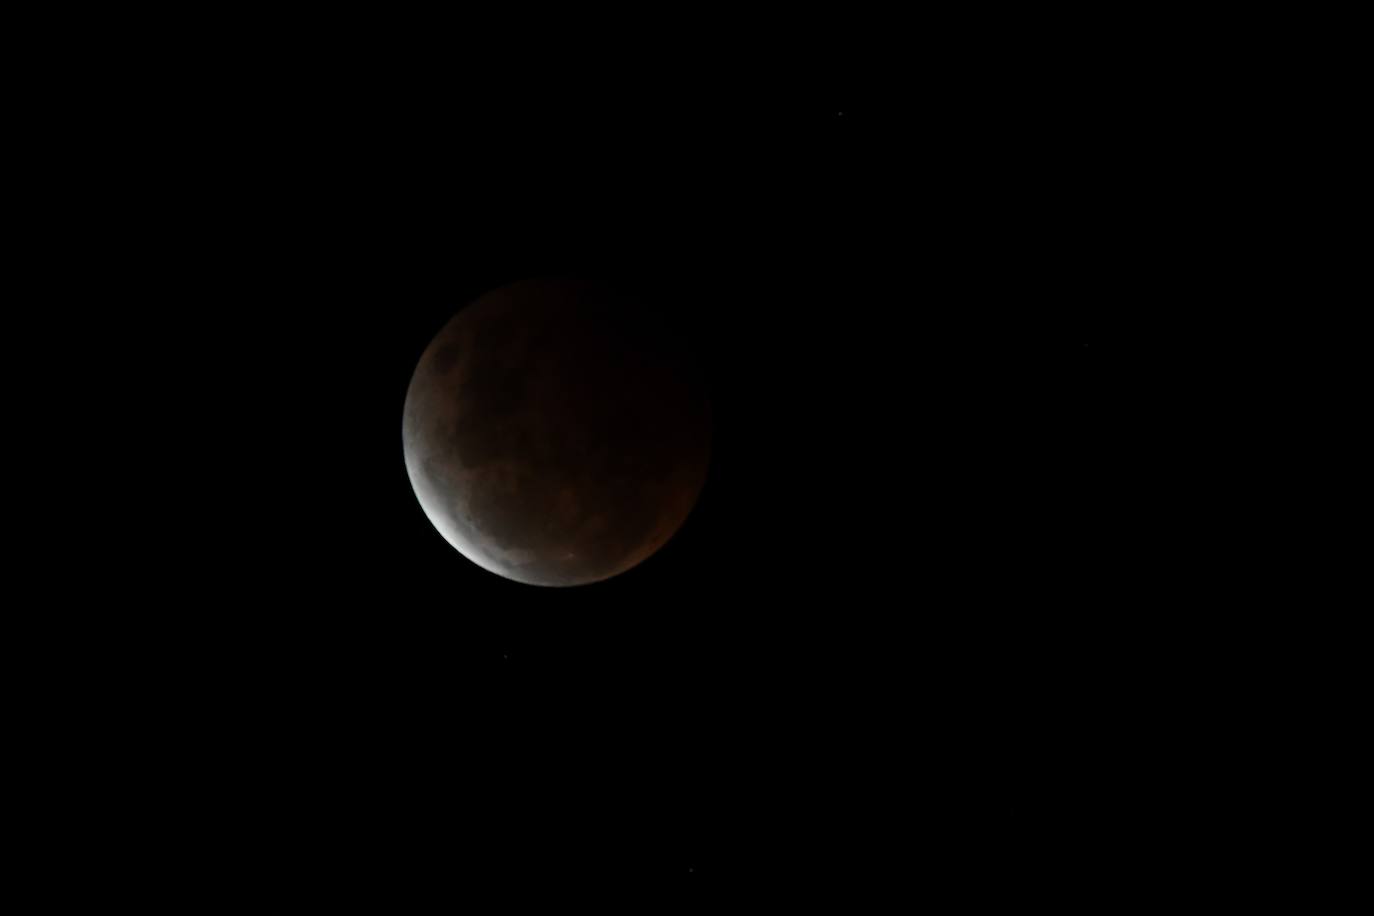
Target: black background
[(878, 649)]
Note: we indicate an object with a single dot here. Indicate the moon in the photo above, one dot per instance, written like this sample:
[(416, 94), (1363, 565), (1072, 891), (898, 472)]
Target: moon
[(556, 431)]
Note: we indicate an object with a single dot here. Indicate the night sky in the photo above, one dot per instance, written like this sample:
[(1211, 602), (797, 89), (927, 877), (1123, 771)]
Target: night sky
[(862, 654), (879, 650)]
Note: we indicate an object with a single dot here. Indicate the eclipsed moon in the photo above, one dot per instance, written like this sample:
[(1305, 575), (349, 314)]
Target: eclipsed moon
[(556, 431)]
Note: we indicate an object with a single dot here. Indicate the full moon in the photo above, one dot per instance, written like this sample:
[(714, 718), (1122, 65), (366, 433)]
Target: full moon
[(556, 432)]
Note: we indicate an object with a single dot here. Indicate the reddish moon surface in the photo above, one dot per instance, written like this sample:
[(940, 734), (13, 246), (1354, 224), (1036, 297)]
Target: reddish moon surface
[(556, 432)]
